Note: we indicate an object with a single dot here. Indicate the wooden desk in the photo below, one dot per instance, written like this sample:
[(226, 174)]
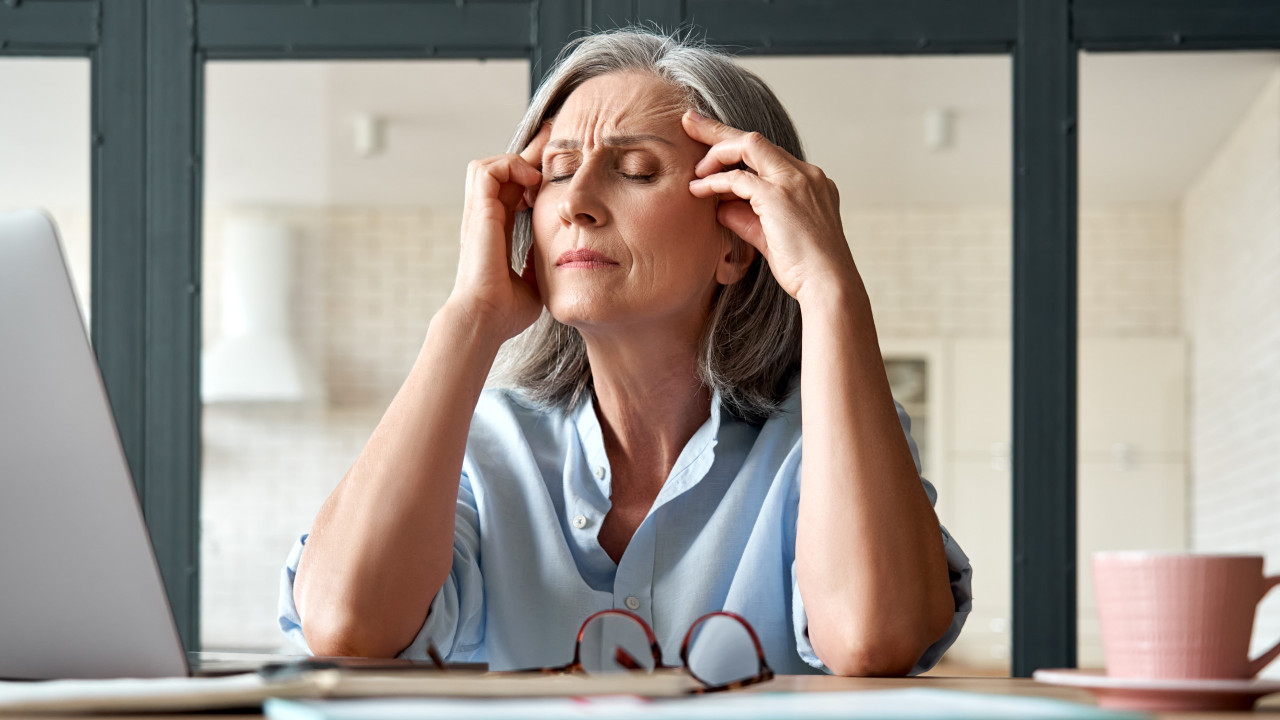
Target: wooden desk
[(1267, 708)]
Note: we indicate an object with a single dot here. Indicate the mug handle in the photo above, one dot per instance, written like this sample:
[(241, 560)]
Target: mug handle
[(1263, 660)]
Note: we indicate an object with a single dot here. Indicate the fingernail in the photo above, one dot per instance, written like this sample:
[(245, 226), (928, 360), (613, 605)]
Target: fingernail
[(696, 115)]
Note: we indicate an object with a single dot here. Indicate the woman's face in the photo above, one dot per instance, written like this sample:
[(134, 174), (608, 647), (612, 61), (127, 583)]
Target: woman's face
[(619, 241)]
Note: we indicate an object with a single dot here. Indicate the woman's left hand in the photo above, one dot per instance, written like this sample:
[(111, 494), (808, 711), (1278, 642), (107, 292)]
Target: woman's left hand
[(787, 209)]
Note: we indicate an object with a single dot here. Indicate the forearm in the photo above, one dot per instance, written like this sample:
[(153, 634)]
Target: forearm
[(869, 553), (381, 546)]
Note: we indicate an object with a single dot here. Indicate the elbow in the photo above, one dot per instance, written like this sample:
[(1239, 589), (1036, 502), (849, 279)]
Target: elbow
[(883, 651), (354, 615), (346, 635), (870, 659), (353, 627)]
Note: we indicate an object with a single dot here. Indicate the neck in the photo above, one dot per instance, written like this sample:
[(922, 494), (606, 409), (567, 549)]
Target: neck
[(648, 400)]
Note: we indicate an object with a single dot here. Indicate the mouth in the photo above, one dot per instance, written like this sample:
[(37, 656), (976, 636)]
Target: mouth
[(584, 259)]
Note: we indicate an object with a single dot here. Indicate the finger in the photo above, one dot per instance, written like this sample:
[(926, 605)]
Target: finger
[(706, 130), (510, 195), (502, 179), (751, 150), (532, 152), (737, 184), (509, 169), (741, 218), (730, 146)]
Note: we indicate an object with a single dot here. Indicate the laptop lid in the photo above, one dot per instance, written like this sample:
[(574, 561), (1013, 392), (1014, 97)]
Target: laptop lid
[(80, 592)]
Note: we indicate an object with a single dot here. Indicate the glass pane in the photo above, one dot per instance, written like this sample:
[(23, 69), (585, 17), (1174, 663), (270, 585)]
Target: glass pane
[(1179, 285), (45, 151), (333, 199), (920, 149)]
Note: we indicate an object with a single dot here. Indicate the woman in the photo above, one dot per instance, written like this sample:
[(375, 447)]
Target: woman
[(648, 456)]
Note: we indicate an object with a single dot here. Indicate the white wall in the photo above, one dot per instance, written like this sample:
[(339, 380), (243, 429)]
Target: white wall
[(1231, 241)]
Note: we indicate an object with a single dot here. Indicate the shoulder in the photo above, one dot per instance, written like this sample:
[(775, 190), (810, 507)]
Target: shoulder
[(508, 412), (506, 400), (506, 404), (787, 420), (784, 427), (788, 415)]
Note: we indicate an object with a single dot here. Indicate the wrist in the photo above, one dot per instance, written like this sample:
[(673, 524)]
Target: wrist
[(467, 329), (836, 294)]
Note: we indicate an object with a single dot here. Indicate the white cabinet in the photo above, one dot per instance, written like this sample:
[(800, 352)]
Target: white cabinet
[(981, 383), (1132, 484), (1132, 400), (1142, 507), (1132, 470), (983, 526)]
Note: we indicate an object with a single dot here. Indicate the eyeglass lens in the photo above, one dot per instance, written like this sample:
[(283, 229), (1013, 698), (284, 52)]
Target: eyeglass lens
[(615, 643), (721, 651)]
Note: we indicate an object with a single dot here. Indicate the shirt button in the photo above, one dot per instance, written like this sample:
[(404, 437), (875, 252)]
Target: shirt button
[(580, 522), (599, 472), (633, 602)]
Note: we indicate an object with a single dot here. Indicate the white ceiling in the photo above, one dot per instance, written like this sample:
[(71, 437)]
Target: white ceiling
[(1150, 123), (281, 132)]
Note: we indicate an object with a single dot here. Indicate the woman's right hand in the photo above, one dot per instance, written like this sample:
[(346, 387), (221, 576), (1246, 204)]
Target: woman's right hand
[(487, 290)]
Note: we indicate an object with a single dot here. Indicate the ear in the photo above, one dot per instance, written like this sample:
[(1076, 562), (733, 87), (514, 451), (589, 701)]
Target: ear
[(736, 260)]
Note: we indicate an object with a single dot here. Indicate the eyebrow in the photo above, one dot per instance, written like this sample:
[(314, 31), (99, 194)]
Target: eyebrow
[(611, 141)]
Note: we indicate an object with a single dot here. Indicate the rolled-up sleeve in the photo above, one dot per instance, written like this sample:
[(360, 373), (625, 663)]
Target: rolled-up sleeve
[(290, 620), (455, 622), (958, 567), (961, 590)]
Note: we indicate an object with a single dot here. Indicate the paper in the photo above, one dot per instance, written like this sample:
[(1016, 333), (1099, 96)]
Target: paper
[(249, 690), (133, 695), (907, 704)]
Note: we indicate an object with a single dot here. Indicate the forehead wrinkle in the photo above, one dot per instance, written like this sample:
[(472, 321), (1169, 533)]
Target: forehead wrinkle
[(602, 117), (611, 141)]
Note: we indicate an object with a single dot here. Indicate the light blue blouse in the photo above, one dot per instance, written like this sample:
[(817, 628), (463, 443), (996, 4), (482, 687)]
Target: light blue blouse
[(527, 568)]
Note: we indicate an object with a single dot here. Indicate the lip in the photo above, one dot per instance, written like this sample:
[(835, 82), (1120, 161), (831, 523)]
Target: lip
[(584, 259)]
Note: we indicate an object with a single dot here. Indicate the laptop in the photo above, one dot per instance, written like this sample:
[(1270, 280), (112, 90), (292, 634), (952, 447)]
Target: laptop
[(80, 591)]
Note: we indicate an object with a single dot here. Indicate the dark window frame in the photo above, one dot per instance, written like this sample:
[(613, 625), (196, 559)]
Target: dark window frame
[(148, 59)]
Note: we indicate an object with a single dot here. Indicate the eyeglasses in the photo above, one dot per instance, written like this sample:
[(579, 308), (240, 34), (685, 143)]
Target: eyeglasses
[(721, 650)]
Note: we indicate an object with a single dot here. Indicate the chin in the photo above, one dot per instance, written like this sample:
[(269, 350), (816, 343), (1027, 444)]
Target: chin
[(579, 308), (579, 319)]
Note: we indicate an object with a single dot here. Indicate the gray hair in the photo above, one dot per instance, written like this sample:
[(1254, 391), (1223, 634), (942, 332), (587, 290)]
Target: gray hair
[(750, 350)]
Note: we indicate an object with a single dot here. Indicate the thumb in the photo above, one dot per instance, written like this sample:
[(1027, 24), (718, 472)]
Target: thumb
[(738, 216)]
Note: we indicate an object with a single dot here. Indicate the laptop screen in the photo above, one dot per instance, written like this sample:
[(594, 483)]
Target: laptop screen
[(80, 592)]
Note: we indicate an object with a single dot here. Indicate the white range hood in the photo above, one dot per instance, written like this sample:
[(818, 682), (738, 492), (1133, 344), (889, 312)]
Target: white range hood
[(257, 359)]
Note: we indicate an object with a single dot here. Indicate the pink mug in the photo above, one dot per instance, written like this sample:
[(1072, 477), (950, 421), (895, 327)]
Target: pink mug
[(1179, 615)]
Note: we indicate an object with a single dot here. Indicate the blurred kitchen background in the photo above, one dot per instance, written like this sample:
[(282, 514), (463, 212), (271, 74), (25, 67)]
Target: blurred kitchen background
[(332, 201)]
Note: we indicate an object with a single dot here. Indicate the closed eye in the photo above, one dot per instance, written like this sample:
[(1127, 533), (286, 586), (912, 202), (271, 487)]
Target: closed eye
[(637, 178)]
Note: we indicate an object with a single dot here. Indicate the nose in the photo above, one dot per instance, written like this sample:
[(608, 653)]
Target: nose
[(582, 203)]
